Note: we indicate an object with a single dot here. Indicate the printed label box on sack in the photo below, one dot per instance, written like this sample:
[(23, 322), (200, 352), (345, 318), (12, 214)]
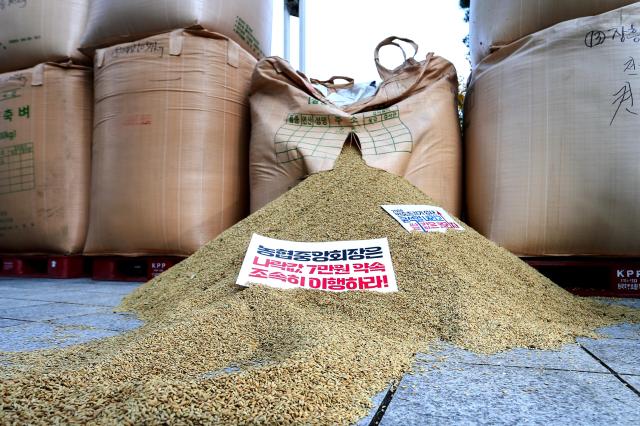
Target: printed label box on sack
[(363, 265)]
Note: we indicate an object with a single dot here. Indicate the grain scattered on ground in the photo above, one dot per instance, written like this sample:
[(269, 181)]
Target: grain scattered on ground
[(211, 352)]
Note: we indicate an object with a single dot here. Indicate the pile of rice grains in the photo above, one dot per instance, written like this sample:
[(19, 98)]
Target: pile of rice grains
[(212, 352)]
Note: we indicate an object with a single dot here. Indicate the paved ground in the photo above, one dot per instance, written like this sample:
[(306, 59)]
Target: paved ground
[(38, 314), (591, 382)]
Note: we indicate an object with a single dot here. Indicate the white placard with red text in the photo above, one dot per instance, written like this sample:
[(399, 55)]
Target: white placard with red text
[(363, 265), (422, 218)]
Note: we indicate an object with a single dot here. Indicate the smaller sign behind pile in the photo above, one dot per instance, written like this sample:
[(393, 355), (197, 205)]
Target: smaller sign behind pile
[(422, 218)]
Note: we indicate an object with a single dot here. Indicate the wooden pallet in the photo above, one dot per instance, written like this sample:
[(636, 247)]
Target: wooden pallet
[(592, 276), (134, 269), (43, 266), (102, 268)]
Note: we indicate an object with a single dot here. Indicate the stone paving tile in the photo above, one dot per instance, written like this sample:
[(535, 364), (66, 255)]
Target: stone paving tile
[(621, 355), (632, 380), (631, 302), (621, 331), (376, 401), (9, 322), (105, 321), (35, 335), (33, 283), (6, 302), (49, 311), (84, 284), (26, 293), (120, 288), (486, 394), (62, 312), (81, 297), (569, 357), (84, 297)]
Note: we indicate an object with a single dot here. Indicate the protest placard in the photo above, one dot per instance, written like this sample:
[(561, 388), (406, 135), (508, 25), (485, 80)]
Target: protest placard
[(422, 218), (363, 265)]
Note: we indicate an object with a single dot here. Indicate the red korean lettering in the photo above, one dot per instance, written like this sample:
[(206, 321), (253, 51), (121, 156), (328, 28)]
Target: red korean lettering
[(296, 280), (315, 283), (258, 273), (278, 276), (340, 269), (335, 284)]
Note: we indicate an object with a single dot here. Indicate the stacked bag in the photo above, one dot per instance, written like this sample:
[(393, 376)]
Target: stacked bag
[(494, 24), (36, 31), (551, 126), (45, 127), (171, 125), (167, 170)]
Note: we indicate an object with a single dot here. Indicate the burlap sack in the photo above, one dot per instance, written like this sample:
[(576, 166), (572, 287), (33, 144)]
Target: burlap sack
[(552, 153), (170, 145), (45, 159), (36, 31), (409, 128), (496, 23), (247, 22)]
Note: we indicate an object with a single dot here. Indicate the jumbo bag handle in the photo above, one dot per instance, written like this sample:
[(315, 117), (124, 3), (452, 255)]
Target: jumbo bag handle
[(403, 81), (331, 83), (386, 73)]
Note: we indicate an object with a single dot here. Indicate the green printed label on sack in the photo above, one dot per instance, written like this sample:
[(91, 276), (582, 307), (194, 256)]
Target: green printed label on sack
[(17, 168), (9, 91), (9, 114), (7, 135), (7, 6), (245, 32), (10, 4), (18, 40), (6, 223), (9, 94), (322, 135)]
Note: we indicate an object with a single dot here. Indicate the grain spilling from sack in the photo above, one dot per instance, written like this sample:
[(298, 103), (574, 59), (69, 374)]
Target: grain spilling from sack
[(213, 353), (409, 127)]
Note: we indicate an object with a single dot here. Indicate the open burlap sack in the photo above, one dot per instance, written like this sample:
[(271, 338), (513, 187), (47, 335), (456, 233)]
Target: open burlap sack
[(409, 127)]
